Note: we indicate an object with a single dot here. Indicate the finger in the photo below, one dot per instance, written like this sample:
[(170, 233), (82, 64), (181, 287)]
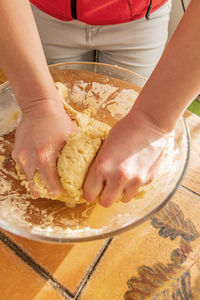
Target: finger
[(29, 169), (51, 179), (33, 191), (131, 190), (112, 192), (14, 156), (18, 166), (26, 164), (46, 164), (92, 186), (129, 194), (154, 169)]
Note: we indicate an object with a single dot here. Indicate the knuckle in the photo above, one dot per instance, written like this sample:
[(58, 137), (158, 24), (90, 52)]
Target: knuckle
[(120, 173), (41, 153), (46, 155), (124, 174), (20, 156), (40, 149), (102, 167), (138, 180)]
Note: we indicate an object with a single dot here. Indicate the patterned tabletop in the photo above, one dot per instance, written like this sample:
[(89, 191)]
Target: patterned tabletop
[(158, 260)]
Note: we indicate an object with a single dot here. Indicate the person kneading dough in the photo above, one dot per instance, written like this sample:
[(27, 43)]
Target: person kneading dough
[(75, 157)]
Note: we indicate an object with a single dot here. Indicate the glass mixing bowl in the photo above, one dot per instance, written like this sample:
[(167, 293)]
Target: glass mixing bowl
[(111, 91)]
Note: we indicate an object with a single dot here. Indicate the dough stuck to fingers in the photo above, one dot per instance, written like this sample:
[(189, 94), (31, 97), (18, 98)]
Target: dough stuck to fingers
[(76, 156)]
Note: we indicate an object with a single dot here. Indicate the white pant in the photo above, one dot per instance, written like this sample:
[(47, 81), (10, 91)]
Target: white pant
[(135, 45)]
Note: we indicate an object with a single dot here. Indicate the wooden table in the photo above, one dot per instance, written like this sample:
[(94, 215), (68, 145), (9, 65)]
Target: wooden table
[(158, 260)]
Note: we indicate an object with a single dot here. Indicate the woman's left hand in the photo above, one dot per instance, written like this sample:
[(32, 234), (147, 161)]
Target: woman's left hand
[(128, 158)]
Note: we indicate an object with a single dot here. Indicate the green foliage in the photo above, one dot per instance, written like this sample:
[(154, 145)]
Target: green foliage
[(195, 107)]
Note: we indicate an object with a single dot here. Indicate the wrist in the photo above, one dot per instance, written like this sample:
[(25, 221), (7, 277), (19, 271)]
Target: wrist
[(42, 107), (157, 113), (32, 94), (33, 85), (145, 119)]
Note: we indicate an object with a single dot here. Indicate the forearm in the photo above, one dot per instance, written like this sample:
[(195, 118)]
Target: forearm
[(21, 53), (175, 81)]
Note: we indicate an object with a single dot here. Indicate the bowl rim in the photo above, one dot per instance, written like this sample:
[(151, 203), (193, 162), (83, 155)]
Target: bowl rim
[(31, 235), (99, 64)]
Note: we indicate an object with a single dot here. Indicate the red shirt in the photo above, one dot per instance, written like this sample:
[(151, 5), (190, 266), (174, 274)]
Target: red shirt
[(99, 12)]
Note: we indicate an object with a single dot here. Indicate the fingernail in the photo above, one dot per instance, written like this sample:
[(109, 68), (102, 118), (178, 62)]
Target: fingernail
[(88, 199), (105, 204), (35, 194), (57, 193)]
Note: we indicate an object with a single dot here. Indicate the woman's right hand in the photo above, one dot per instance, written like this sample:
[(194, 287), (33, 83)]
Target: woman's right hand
[(40, 136)]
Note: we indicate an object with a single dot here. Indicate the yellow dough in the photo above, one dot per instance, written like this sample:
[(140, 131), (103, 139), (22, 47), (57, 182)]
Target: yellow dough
[(76, 156)]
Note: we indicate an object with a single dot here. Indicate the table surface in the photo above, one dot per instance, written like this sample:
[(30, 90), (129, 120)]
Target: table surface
[(158, 260)]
